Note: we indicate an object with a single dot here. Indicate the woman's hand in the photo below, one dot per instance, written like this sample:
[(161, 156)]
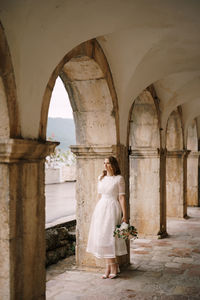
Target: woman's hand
[(124, 220), (122, 201)]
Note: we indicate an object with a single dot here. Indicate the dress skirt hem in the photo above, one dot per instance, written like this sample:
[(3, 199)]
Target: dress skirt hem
[(107, 256)]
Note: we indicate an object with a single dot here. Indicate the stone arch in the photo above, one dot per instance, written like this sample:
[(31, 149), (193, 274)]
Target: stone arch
[(86, 75), (192, 164), (174, 131), (192, 137), (144, 126), (144, 163), (175, 166), (9, 119)]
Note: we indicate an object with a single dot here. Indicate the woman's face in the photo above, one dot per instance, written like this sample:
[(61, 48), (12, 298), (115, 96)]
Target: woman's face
[(108, 166)]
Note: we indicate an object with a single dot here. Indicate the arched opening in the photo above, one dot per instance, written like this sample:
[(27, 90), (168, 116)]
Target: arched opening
[(60, 177), (175, 196), (192, 165), (88, 81), (60, 167), (83, 70), (144, 160)]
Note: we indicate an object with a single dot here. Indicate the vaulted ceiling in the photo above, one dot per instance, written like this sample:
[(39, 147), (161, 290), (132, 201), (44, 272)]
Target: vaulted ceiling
[(145, 42)]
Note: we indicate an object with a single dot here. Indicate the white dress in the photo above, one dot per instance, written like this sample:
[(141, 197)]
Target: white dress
[(106, 216)]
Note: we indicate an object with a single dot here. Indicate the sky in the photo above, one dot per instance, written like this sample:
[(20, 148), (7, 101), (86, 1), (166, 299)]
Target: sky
[(59, 105)]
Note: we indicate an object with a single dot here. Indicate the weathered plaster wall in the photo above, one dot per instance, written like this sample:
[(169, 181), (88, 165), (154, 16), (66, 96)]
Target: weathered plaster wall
[(144, 192), (192, 179), (144, 123), (91, 101), (5, 263), (9, 114), (192, 165), (4, 119), (192, 137), (174, 133), (175, 168), (174, 185)]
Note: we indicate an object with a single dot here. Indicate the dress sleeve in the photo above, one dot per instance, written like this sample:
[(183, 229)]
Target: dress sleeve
[(121, 185)]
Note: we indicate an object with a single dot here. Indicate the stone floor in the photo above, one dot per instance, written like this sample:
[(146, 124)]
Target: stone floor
[(160, 269)]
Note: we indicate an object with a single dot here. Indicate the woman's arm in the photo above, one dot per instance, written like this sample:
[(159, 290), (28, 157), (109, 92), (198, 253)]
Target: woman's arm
[(122, 201)]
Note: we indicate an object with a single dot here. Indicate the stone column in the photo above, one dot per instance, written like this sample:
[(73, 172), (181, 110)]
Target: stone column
[(176, 183), (22, 221), (89, 166), (147, 210), (192, 178)]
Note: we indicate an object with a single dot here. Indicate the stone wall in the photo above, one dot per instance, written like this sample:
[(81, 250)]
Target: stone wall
[(60, 242), (175, 184)]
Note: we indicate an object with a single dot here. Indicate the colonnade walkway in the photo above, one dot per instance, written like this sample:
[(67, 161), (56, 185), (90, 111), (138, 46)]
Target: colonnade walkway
[(160, 269)]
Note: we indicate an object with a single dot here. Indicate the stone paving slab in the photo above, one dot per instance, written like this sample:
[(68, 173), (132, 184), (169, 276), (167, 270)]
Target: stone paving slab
[(167, 269)]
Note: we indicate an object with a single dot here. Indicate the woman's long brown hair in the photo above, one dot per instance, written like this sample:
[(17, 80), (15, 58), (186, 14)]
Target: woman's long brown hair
[(115, 166)]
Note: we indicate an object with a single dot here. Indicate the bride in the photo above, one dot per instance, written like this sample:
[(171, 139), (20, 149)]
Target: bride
[(109, 212)]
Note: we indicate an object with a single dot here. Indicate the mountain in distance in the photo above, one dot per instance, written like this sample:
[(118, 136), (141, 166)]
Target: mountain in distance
[(61, 130)]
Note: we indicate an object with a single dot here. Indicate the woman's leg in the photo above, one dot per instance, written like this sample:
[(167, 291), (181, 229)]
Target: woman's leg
[(108, 269), (111, 268), (113, 265)]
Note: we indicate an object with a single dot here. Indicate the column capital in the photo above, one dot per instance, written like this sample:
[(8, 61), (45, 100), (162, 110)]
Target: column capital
[(16, 150), (93, 151), (145, 152), (177, 153), (194, 153)]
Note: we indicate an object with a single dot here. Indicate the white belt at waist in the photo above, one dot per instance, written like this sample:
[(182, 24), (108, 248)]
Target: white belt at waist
[(109, 197)]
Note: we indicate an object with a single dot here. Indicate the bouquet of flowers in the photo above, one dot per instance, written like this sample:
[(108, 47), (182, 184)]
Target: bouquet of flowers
[(125, 231)]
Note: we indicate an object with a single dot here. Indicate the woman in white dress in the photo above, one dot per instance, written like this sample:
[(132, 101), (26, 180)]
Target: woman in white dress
[(109, 212)]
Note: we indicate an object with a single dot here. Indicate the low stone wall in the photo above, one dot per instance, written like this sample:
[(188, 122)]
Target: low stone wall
[(60, 174), (60, 242), (69, 173), (52, 175)]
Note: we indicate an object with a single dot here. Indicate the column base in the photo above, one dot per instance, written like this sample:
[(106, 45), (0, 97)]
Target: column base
[(163, 234)]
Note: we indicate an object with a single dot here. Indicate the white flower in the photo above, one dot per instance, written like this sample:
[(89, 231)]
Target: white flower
[(124, 226)]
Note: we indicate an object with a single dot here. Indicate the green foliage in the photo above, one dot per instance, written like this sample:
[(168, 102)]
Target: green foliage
[(73, 247), (59, 157)]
